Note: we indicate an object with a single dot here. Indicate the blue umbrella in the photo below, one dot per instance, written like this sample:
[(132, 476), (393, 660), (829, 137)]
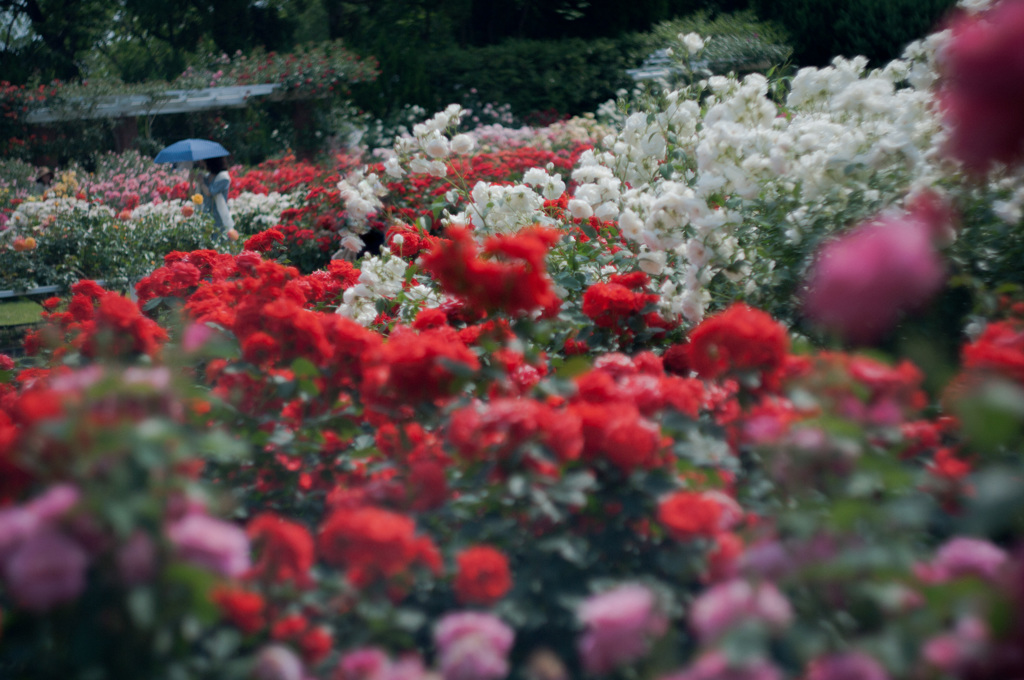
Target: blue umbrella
[(191, 150)]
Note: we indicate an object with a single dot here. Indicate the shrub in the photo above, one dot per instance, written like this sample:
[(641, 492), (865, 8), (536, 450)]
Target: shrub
[(735, 42), (570, 76), (97, 246)]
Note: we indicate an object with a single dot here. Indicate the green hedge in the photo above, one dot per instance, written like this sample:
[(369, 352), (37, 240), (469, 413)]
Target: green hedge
[(877, 29), (570, 76), (81, 246)]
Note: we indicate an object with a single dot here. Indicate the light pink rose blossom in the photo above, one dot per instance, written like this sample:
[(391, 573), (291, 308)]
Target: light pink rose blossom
[(620, 625), (211, 543), (277, 662), (715, 666), (963, 556), (847, 666), (724, 605), (46, 570)]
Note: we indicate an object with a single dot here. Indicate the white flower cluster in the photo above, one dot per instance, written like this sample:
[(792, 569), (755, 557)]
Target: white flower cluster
[(31, 213), (262, 211), (429, 144), (361, 193), (383, 277), (503, 209), (168, 211), (848, 140), (1010, 206)]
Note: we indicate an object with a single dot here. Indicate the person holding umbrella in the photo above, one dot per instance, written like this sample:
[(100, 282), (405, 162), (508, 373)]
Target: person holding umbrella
[(214, 185)]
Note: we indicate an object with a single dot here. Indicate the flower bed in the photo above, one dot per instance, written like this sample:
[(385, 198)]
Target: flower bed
[(624, 415)]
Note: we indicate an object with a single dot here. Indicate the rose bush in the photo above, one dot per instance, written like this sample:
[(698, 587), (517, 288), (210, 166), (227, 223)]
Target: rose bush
[(560, 426)]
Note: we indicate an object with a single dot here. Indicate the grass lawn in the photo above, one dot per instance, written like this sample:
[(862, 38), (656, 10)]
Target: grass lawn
[(17, 312)]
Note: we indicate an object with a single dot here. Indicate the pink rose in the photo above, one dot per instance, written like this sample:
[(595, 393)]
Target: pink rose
[(211, 543), (862, 282), (620, 626), (722, 606), (46, 570)]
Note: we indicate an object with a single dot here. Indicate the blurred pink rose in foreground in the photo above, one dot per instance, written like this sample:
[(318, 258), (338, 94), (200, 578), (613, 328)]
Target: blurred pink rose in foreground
[(715, 666), (473, 646), (620, 626), (861, 283), (847, 666), (963, 556), (211, 543), (952, 652), (48, 569), (982, 90), (725, 605), (277, 662)]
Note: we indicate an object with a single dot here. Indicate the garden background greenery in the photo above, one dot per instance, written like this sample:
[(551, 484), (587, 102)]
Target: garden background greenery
[(542, 59)]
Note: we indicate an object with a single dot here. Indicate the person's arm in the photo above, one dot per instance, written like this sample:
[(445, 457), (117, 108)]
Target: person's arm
[(202, 184)]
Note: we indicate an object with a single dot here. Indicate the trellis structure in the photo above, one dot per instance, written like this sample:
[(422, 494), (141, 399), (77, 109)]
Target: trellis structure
[(169, 101)]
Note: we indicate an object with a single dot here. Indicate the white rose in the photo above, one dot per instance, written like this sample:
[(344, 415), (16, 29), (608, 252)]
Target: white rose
[(462, 144), (580, 209), (352, 242), (392, 168), (652, 263), (436, 146)]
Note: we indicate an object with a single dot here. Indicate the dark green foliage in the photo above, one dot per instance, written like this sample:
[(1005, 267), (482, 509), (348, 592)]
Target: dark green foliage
[(877, 29), (570, 76)]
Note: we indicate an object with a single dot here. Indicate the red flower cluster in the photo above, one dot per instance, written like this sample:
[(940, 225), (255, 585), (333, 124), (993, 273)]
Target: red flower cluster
[(404, 241), (264, 241), (518, 284), (612, 304), (690, 514), (742, 342), (483, 575), (286, 552), (509, 430), (314, 642), (102, 323), (412, 367), (998, 351), (246, 610), (373, 544)]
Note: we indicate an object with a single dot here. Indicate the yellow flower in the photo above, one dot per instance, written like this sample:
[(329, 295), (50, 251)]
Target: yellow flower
[(197, 199)]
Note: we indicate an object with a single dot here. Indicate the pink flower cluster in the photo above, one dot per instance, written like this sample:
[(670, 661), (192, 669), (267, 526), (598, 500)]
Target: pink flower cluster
[(43, 564), (211, 543), (620, 625), (963, 556), (982, 94), (473, 646), (372, 663), (725, 605)]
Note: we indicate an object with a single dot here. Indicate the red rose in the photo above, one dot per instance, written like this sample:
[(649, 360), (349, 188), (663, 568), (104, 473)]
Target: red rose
[(483, 576), (688, 514)]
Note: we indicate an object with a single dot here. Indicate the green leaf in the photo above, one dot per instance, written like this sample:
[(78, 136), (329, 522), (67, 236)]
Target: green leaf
[(194, 585), (142, 607), (572, 367), (304, 368)]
